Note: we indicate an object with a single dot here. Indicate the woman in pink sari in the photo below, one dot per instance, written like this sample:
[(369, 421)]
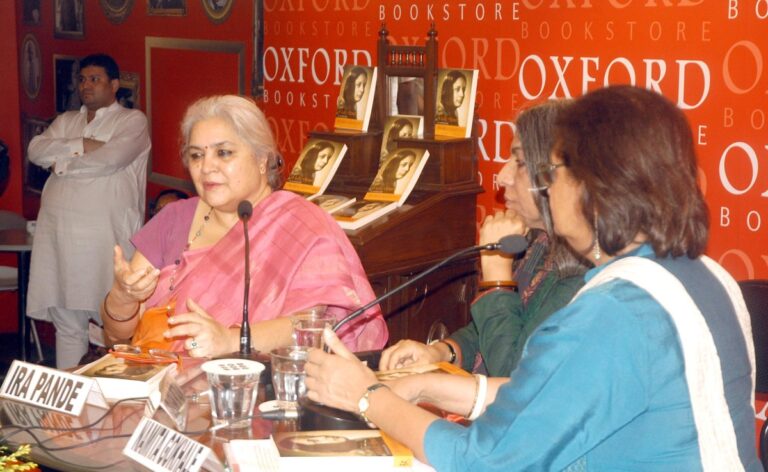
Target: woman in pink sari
[(183, 288)]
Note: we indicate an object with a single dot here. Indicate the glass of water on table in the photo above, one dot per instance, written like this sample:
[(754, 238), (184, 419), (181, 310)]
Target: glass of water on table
[(308, 326)]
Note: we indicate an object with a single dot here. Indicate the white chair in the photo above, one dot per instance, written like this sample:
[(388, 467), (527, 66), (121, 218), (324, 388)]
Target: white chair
[(9, 276)]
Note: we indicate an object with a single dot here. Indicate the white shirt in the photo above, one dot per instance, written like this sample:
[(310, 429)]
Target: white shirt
[(91, 202)]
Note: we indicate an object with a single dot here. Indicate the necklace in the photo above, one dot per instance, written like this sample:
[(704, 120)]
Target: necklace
[(177, 262)]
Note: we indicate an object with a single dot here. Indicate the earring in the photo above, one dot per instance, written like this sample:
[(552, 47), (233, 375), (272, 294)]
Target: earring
[(596, 249)]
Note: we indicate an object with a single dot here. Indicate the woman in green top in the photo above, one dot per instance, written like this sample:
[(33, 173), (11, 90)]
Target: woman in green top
[(547, 276)]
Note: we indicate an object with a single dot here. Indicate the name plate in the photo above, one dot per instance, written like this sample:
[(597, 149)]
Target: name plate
[(45, 387), (160, 448)]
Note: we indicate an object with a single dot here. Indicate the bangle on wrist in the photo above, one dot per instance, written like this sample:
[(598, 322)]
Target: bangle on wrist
[(451, 349), (488, 284), (481, 388), (119, 320)]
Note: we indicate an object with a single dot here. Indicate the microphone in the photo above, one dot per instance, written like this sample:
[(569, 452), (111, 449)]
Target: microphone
[(509, 245), (244, 212)]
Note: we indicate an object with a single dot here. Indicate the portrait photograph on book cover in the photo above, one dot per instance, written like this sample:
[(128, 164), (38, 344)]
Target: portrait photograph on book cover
[(400, 126), (332, 443), (455, 102), (355, 100), (396, 171), (332, 203), (316, 166)]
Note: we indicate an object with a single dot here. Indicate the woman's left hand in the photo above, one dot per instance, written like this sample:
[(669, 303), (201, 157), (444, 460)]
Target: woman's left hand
[(337, 380), (206, 337)]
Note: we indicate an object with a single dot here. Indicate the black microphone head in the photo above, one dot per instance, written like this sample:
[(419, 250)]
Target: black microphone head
[(513, 244), (244, 209)]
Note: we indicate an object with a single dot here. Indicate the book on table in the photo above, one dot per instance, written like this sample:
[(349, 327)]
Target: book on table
[(394, 181), (120, 378), (355, 101), (332, 203), (317, 164), (455, 104)]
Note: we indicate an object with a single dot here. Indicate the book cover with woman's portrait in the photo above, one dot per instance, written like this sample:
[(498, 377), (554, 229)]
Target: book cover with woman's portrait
[(355, 100), (397, 174), (455, 104), (400, 127), (316, 166)]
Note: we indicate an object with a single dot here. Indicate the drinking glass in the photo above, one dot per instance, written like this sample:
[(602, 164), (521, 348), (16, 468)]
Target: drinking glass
[(308, 326), (234, 385), (288, 375)]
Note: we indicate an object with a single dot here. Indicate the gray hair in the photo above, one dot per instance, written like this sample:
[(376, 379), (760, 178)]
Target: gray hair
[(248, 122)]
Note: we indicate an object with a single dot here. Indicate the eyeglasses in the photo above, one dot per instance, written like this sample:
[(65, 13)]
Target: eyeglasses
[(544, 177), (149, 356)]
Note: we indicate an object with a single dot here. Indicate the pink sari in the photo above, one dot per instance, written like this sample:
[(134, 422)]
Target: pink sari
[(299, 258)]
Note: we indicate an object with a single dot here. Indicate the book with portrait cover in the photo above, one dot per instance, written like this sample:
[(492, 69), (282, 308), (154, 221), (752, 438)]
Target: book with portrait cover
[(455, 104), (363, 447), (394, 181), (355, 101), (317, 164), (400, 126), (332, 203), (120, 378), (443, 367)]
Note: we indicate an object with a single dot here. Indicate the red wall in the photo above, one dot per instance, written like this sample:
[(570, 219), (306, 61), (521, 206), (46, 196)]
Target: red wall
[(10, 132), (712, 55), (525, 51)]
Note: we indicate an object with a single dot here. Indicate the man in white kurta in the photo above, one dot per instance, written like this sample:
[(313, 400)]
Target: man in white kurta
[(93, 200)]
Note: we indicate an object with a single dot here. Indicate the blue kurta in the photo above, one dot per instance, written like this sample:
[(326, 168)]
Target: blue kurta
[(601, 386)]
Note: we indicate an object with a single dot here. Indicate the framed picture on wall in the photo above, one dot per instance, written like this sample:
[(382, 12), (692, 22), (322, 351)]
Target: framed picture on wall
[(257, 82), (34, 176), (30, 12), (117, 10), (66, 70), (217, 10), (31, 65), (69, 19), (167, 7), (128, 93)]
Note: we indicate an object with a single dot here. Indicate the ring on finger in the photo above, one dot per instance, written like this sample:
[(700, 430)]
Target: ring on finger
[(193, 344)]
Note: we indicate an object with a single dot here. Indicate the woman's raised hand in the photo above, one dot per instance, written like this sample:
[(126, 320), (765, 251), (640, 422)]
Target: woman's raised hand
[(408, 352), (495, 227), (205, 337), (134, 281)]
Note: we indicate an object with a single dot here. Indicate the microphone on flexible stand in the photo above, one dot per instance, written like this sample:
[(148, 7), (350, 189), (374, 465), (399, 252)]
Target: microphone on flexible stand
[(315, 416), (244, 212), (509, 245)]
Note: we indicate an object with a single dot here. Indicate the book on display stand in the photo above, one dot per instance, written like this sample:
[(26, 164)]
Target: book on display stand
[(317, 164), (395, 179)]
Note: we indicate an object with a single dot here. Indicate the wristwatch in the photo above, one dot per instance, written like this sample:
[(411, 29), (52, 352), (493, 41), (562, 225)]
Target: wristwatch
[(363, 404)]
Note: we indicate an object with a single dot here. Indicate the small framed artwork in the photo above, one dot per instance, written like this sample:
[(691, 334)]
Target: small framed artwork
[(117, 10), (257, 83), (65, 84), (30, 13), (167, 7), (34, 176), (217, 10), (70, 19), (128, 93), (31, 65)]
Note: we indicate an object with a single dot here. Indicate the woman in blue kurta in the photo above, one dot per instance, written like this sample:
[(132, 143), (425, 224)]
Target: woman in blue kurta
[(650, 367)]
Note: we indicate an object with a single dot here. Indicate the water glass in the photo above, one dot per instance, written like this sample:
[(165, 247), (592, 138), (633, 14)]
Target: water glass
[(308, 326), (234, 385), (288, 375)]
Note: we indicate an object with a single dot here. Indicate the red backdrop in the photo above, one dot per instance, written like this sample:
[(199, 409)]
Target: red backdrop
[(705, 56)]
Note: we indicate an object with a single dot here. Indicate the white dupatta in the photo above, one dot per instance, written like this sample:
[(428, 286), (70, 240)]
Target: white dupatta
[(716, 433)]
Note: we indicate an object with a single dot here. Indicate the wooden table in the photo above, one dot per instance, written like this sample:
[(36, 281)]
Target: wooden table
[(20, 242)]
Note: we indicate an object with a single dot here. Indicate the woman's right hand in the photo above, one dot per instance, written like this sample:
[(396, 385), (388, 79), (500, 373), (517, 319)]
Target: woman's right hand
[(496, 266), (134, 281), (408, 352)]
